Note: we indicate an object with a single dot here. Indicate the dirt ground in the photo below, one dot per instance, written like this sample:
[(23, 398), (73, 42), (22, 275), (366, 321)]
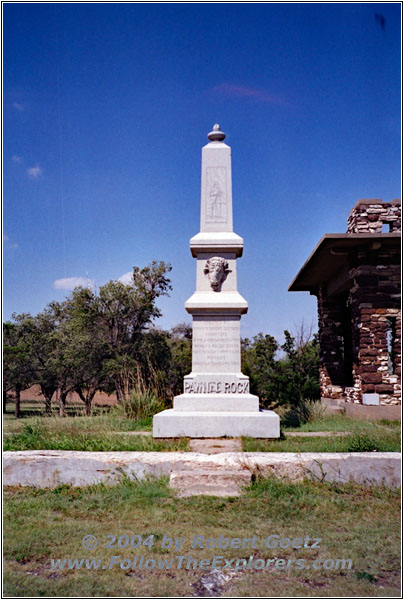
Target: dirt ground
[(100, 398)]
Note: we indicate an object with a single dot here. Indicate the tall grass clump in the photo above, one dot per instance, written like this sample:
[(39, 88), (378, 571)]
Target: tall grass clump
[(142, 403), (304, 411)]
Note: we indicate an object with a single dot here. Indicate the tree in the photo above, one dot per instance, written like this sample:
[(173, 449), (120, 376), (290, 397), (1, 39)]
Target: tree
[(180, 344), (43, 347), (83, 348), (300, 372), (17, 369), (290, 380), (123, 312), (153, 363), (62, 360), (259, 363), (91, 342)]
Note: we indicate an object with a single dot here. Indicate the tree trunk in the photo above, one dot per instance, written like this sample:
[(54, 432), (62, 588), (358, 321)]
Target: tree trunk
[(48, 405), (62, 404), (17, 402), (120, 396), (4, 402), (47, 393), (87, 399)]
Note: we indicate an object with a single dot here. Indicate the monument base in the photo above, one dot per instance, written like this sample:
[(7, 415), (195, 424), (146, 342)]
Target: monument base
[(214, 424)]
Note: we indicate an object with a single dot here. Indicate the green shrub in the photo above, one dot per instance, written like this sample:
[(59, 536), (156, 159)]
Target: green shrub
[(362, 442), (366, 576)]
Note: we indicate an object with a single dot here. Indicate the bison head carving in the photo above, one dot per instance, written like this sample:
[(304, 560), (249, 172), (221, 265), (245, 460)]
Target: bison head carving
[(216, 269)]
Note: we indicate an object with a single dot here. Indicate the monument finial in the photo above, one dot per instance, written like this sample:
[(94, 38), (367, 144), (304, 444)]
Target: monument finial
[(216, 135)]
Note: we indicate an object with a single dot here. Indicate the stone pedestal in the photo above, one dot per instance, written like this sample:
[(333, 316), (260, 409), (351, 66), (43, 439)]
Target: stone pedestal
[(201, 424), (216, 401)]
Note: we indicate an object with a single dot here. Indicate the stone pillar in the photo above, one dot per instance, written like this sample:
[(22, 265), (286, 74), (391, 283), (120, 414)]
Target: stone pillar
[(216, 401), (330, 331)]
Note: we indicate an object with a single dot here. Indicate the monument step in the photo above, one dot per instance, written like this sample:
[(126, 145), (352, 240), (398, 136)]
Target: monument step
[(215, 424), (51, 468), (215, 445), (209, 482)]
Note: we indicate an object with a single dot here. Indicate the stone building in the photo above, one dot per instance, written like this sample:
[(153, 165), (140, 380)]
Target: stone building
[(356, 278)]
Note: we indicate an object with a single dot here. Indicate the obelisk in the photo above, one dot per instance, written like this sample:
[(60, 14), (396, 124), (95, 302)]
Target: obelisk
[(216, 401)]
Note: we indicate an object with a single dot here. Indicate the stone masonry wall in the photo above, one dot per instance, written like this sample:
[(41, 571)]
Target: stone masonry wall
[(368, 216), (375, 301)]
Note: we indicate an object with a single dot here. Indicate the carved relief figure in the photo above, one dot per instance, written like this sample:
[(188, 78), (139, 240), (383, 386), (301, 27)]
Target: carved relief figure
[(216, 269), (216, 195)]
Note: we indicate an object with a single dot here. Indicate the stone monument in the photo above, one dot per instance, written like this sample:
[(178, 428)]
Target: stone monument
[(216, 401)]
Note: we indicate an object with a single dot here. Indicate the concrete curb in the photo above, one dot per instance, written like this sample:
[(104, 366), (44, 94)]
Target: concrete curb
[(49, 468)]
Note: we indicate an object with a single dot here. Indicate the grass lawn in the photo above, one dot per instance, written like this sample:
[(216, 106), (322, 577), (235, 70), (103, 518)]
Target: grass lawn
[(337, 422), (98, 423), (353, 522), (84, 433), (365, 436), (107, 433), (383, 440)]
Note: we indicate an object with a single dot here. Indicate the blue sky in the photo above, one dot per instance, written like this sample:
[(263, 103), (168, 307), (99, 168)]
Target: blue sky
[(107, 106)]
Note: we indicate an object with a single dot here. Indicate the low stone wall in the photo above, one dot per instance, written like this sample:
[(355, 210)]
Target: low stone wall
[(373, 413), (50, 468), (390, 412)]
